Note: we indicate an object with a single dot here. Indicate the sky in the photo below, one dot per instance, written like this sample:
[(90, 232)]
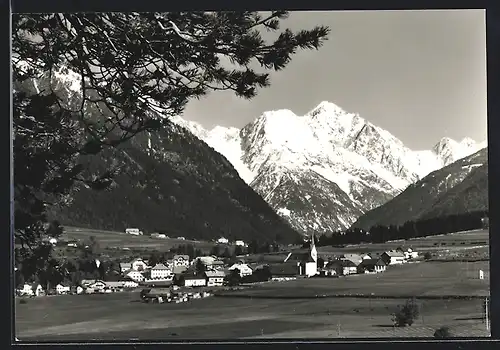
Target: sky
[(421, 75)]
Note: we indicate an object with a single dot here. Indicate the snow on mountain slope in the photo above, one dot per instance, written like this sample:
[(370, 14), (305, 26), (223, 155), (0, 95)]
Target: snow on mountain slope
[(327, 150)]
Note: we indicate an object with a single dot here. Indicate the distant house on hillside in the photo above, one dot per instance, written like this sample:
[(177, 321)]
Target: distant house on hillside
[(133, 231), (410, 254), (372, 266), (240, 243), (223, 240), (393, 257)]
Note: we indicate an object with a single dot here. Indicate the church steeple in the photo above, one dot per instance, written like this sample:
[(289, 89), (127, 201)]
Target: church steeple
[(314, 252)]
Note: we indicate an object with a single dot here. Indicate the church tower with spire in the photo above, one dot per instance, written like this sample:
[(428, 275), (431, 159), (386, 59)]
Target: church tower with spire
[(313, 251)]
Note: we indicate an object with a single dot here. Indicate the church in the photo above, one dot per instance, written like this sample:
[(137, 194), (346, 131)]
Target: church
[(307, 262)]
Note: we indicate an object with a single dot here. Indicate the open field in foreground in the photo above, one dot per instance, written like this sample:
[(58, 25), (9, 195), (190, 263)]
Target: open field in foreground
[(413, 279), (121, 316)]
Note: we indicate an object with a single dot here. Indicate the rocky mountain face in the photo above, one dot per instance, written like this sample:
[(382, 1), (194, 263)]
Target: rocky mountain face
[(169, 182), (324, 169), (458, 188)]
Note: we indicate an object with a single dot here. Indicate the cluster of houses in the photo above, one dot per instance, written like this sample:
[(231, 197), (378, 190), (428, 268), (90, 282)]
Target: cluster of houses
[(183, 272), (308, 264), (238, 242)]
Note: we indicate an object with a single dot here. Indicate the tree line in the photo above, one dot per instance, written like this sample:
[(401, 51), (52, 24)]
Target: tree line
[(410, 229)]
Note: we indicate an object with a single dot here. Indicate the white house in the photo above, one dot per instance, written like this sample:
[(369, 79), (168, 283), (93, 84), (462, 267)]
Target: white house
[(29, 289), (240, 243), (223, 240), (182, 238), (135, 276), (393, 257), (180, 260), (97, 286), (194, 281), (130, 284), (215, 278), (244, 269), (133, 231), (53, 241), (410, 254), (138, 265), (79, 290), (60, 289), (160, 271)]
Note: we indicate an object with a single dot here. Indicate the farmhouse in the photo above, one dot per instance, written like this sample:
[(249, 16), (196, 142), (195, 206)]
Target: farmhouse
[(372, 266), (342, 267), (124, 267), (410, 254), (240, 243), (181, 260), (33, 289), (244, 269), (138, 265), (223, 240), (192, 280), (60, 289), (355, 258), (393, 257), (97, 286), (160, 271), (115, 286), (135, 276), (215, 278)]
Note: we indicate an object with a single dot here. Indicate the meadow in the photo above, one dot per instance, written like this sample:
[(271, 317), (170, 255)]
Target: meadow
[(122, 316)]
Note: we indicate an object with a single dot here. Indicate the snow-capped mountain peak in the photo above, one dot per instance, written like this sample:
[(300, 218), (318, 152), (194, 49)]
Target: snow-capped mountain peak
[(334, 158)]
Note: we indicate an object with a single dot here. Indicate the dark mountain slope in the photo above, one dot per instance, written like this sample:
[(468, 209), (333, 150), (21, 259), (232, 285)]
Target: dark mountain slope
[(420, 199), (468, 196), (178, 186)]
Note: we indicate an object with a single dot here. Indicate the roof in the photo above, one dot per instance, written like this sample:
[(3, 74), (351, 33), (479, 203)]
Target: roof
[(181, 257), (160, 266), (284, 269), (115, 283), (340, 263), (178, 269), (299, 256), (193, 277), (394, 254), (125, 266), (215, 274), (240, 267), (372, 262)]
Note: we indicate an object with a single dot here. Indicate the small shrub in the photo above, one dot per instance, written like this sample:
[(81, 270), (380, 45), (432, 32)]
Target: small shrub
[(407, 314), (23, 301), (427, 256), (442, 332)]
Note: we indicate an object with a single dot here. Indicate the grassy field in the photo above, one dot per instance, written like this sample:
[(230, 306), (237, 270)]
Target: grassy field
[(120, 317), (120, 240), (479, 239), (417, 279), (85, 317)]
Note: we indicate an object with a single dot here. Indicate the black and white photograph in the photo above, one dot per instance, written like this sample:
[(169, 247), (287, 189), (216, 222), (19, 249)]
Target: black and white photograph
[(250, 175)]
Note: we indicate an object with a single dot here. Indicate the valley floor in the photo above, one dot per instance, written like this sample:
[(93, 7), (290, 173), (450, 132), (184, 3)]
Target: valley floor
[(121, 316)]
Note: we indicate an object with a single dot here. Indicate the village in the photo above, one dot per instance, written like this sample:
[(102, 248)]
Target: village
[(181, 279)]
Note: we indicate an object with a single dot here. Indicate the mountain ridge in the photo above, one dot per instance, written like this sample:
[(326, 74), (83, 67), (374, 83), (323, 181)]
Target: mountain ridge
[(343, 148)]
